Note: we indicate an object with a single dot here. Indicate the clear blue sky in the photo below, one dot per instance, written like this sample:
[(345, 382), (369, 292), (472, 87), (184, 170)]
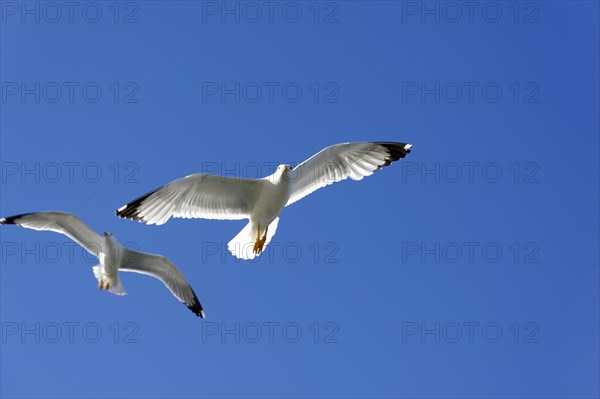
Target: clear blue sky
[(469, 269)]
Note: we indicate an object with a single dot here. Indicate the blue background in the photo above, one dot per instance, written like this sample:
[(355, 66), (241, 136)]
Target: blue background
[(372, 265)]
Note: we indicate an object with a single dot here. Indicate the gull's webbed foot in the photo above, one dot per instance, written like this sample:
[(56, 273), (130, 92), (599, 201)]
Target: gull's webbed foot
[(260, 242), (104, 284)]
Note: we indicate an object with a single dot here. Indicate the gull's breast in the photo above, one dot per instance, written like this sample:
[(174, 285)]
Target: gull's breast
[(272, 199)]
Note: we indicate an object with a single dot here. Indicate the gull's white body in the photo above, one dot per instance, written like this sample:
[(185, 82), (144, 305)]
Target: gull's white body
[(112, 255), (260, 200), (264, 217), (273, 197), (111, 258)]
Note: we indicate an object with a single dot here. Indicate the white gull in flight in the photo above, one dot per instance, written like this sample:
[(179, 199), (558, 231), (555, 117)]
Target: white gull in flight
[(112, 255), (260, 200)]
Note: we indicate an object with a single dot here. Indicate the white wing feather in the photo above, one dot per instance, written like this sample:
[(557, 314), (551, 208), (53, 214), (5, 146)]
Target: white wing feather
[(341, 161), (161, 268), (63, 223), (196, 196)]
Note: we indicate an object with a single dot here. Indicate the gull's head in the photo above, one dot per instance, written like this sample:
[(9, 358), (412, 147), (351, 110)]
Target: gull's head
[(107, 234), (283, 169), (280, 173)]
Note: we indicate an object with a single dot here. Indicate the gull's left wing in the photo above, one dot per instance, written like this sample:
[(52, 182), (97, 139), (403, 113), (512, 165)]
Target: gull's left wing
[(60, 222), (341, 161), (196, 196), (161, 268)]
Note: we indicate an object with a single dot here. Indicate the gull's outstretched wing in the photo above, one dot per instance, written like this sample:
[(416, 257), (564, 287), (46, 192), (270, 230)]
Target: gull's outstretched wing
[(60, 222), (342, 161), (196, 196), (161, 268)]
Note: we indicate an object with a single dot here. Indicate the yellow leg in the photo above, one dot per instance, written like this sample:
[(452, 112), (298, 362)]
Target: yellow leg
[(99, 284), (260, 242), (255, 249), (107, 285)]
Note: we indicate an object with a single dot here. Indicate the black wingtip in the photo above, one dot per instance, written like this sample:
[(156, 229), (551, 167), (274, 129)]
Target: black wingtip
[(131, 210), (396, 151), (196, 306), (13, 219)]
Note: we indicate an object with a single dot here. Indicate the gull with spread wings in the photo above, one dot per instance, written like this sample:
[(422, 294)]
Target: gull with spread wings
[(112, 255), (260, 200)]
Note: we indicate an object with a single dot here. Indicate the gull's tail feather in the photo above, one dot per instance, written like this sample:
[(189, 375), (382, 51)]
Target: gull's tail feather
[(97, 272), (116, 287), (114, 284), (245, 244), (242, 244)]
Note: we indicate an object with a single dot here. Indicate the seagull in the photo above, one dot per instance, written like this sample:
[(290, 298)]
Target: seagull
[(261, 201), (112, 255)]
